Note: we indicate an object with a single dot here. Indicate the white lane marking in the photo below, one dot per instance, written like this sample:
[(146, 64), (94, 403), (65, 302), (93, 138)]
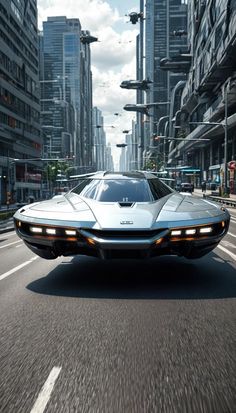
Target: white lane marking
[(6, 274), (228, 244), (232, 235), (7, 245), (18, 246), (44, 395), (8, 235), (227, 252)]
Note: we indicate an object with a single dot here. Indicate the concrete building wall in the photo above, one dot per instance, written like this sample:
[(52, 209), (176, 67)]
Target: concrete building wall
[(19, 100), (210, 93)]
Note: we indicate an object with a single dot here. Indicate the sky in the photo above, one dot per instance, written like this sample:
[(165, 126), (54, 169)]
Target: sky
[(113, 56)]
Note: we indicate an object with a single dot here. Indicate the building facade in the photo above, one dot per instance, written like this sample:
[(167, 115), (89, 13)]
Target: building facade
[(20, 137), (166, 24), (66, 90), (99, 148), (208, 103)]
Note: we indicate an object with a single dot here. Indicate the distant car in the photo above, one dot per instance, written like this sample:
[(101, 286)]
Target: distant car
[(178, 187), (122, 215), (186, 187)]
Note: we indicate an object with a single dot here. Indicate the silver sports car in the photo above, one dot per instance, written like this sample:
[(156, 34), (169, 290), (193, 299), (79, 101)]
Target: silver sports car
[(122, 215)]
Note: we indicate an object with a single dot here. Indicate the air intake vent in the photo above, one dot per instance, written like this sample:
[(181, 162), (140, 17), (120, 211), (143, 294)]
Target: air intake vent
[(126, 204)]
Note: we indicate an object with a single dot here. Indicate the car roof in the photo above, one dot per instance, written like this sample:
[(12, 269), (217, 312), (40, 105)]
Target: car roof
[(123, 175)]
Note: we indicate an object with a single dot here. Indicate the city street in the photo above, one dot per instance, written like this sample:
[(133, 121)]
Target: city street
[(83, 335), (107, 109)]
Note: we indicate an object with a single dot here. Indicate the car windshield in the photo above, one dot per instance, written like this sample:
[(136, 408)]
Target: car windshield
[(122, 190)]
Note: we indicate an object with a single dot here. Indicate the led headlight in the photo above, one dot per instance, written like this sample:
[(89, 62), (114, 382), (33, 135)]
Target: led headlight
[(70, 232), (36, 230), (51, 231), (190, 231), (205, 230), (175, 232)]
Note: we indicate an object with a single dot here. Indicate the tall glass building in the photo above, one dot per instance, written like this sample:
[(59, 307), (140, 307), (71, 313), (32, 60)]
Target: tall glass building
[(19, 101), (164, 19), (66, 90)]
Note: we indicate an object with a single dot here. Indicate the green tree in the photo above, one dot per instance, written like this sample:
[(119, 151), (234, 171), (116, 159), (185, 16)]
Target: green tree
[(51, 172)]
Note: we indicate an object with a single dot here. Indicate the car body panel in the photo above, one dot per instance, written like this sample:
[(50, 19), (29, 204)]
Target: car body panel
[(84, 225)]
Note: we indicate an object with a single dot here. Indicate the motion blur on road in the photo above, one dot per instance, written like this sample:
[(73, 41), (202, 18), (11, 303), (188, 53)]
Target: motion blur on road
[(84, 335), (117, 85)]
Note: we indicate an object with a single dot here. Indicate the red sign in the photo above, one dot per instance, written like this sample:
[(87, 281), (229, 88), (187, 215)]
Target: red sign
[(232, 165)]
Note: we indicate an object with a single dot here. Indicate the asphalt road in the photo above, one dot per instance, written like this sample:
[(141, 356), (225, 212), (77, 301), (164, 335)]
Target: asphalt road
[(83, 335)]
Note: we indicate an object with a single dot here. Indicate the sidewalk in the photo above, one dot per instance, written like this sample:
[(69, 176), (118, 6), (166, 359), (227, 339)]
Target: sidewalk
[(198, 192), (210, 194)]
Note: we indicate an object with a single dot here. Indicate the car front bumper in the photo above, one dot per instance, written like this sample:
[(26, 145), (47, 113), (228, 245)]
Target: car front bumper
[(108, 244)]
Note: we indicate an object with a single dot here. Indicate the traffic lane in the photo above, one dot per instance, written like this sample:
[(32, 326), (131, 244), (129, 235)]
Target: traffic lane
[(13, 252), (143, 336), (229, 241), (8, 236), (233, 222)]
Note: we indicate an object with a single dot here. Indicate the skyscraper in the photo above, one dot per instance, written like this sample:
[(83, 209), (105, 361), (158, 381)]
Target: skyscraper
[(19, 100), (164, 19), (66, 91), (99, 139)]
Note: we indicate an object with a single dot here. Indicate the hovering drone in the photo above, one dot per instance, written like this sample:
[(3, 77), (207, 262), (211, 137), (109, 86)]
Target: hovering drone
[(134, 17), (136, 84), (140, 107)]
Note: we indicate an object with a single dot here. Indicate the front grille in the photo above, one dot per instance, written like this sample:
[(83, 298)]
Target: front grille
[(124, 233)]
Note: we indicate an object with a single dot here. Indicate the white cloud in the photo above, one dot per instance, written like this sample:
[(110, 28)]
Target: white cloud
[(113, 49), (113, 56), (93, 14)]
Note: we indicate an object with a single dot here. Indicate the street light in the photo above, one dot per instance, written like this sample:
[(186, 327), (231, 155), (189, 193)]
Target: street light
[(170, 138)]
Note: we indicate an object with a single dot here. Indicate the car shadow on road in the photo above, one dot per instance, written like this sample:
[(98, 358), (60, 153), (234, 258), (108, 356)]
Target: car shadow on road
[(161, 278)]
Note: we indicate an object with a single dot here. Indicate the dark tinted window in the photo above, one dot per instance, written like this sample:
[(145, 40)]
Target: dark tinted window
[(122, 190), (158, 188), (81, 185)]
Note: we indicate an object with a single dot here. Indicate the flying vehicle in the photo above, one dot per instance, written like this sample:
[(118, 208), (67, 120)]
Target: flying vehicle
[(122, 215), (133, 16), (179, 63), (86, 39), (140, 107), (136, 84)]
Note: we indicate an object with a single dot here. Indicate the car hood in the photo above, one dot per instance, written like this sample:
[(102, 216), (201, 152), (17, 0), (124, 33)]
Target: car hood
[(74, 210), (189, 208)]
